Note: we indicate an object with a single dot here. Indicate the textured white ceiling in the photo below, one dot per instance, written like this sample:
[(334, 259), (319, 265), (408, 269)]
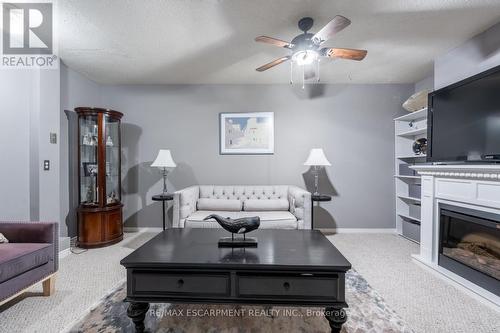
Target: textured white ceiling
[(212, 41)]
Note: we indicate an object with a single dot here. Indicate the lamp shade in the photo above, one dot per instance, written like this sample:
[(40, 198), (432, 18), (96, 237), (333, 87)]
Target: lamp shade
[(164, 160), (317, 157)]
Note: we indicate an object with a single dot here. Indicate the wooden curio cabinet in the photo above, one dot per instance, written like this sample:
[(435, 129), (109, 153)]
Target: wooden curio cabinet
[(99, 171)]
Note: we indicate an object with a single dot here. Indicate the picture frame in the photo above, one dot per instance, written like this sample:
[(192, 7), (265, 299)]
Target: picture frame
[(89, 169), (246, 133)]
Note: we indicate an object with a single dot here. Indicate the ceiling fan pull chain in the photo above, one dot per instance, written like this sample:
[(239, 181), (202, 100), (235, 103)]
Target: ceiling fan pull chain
[(291, 72)]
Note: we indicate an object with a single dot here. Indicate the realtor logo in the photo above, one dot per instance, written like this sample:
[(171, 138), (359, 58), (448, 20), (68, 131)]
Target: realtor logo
[(28, 36)]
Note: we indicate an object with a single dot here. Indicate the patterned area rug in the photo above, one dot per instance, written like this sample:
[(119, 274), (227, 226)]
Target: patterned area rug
[(367, 312)]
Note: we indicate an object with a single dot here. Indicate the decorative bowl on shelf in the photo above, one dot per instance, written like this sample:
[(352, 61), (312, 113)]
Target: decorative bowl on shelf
[(420, 146), (417, 101)]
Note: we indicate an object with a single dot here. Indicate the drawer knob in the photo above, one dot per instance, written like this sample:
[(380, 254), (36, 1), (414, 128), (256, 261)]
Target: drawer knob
[(180, 283), (286, 285)]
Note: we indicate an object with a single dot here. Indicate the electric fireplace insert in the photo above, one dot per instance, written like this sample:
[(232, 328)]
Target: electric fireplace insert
[(470, 245)]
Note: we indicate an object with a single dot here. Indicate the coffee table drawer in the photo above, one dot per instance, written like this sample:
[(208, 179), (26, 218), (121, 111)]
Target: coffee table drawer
[(286, 286), (180, 283)]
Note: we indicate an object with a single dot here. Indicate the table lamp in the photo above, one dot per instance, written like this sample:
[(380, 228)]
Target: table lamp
[(163, 161), (316, 159)]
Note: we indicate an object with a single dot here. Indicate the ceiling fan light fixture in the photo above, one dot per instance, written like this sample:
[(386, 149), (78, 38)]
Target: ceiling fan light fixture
[(307, 50), (305, 57)]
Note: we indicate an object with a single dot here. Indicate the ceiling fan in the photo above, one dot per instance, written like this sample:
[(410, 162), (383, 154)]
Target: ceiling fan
[(306, 48)]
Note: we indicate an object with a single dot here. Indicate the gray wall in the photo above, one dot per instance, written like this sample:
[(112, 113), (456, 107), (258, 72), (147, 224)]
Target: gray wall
[(353, 123), (426, 83), (15, 145), (29, 105), (474, 56)]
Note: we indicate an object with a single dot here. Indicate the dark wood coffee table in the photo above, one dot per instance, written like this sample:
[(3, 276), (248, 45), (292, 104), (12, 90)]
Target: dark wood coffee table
[(289, 267)]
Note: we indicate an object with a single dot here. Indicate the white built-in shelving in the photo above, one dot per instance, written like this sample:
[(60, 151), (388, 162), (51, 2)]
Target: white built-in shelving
[(408, 217), (405, 197), (421, 156), (407, 177), (408, 128), (413, 132)]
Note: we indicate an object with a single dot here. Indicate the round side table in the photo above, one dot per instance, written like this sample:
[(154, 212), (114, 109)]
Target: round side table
[(317, 198), (163, 198)]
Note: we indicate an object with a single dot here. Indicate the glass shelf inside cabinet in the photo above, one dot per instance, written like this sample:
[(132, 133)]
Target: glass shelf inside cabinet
[(112, 142), (89, 141)]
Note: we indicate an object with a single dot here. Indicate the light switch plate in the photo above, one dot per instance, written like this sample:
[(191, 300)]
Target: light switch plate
[(46, 165)]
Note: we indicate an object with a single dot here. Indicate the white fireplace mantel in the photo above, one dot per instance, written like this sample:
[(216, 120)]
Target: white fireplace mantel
[(472, 186), (488, 171)]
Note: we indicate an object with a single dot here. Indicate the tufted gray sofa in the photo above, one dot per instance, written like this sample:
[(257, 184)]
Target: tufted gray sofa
[(279, 206)]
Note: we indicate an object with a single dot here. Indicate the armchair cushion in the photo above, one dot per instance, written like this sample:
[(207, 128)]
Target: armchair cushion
[(252, 205), (219, 204), (17, 258)]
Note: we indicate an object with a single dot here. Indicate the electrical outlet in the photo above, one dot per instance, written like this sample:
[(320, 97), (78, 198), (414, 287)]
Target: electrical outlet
[(53, 138), (46, 165)]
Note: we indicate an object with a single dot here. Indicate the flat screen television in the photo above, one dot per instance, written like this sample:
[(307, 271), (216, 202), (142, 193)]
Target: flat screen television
[(464, 120)]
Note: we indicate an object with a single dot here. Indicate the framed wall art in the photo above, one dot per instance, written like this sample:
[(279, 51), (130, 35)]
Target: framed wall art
[(247, 133)]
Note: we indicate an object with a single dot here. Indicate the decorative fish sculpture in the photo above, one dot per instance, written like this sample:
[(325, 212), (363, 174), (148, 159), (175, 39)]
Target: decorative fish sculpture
[(236, 226)]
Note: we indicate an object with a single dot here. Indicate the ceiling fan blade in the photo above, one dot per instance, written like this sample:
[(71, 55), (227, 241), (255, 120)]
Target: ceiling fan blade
[(328, 31), (272, 63), (273, 41), (350, 54)]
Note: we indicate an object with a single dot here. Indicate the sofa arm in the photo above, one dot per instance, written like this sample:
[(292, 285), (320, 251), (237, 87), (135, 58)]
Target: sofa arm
[(30, 232), (33, 232), (184, 204), (300, 205)]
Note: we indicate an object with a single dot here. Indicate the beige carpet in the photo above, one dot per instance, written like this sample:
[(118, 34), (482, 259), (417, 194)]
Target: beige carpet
[(427, 303)]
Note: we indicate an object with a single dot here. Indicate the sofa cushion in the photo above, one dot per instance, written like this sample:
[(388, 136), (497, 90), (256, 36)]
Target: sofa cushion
[(219, 204), (256, 205), (17, 258), (268, 219)]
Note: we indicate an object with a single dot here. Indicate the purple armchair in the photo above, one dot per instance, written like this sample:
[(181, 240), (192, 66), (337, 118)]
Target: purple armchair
[(30, 256)]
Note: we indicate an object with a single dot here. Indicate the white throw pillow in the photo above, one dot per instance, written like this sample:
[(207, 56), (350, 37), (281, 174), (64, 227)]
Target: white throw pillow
[(3, 239)]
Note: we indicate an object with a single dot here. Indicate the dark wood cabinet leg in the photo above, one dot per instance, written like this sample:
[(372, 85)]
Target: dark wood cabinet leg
[(336, 317), (137, 312)]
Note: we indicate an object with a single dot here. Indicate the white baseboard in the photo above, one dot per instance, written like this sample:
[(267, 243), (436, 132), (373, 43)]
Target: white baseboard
[(64, 242), (358, 230), (64, 253)]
